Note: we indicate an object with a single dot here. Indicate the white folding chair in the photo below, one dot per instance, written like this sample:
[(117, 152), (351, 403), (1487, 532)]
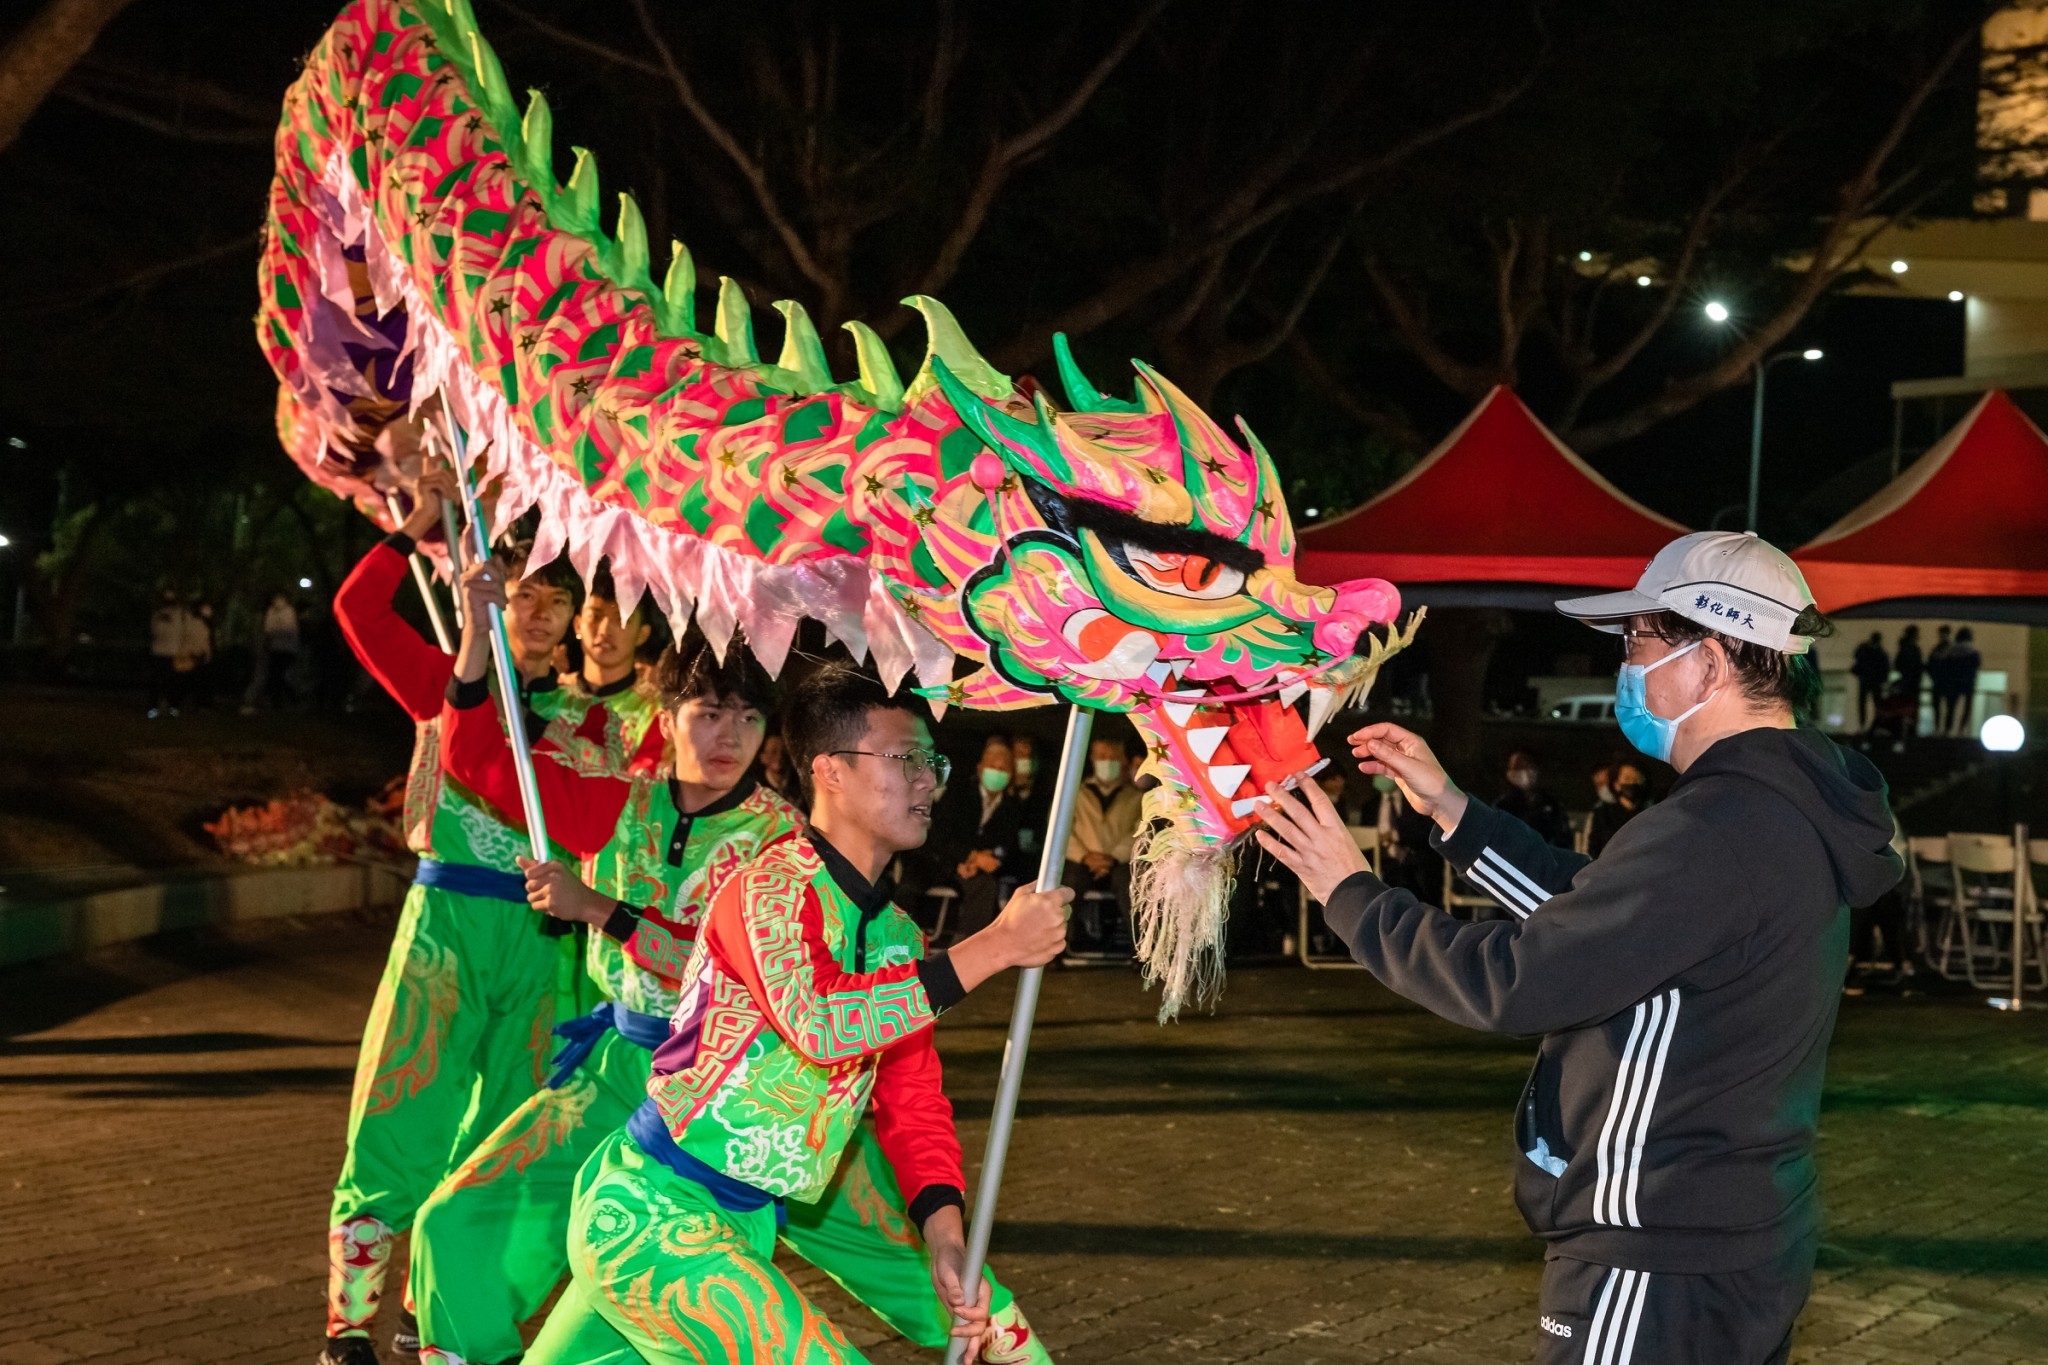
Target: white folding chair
[(947, 899), (1930, 894), (1367, 837), (1994, 913)]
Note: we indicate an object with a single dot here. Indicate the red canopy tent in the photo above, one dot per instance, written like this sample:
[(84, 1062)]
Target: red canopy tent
[(1968, 520), (1500, 502)]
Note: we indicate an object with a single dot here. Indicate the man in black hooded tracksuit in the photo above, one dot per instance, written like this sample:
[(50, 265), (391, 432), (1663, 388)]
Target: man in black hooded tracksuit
[(1685, 984)]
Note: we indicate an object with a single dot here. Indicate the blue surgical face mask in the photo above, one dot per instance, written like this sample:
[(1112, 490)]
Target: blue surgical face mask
[(1651, 733)]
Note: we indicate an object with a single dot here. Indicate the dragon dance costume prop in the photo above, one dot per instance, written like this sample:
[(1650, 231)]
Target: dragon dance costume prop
[(457, 1033)]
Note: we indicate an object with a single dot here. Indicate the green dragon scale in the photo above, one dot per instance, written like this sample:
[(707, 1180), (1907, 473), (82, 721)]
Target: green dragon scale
[(1124, 555)]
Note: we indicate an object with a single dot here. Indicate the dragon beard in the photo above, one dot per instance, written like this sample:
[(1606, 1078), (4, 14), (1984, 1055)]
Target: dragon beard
[(1181, 887)]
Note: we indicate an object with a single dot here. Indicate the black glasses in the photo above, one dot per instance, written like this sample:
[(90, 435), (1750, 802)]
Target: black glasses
[(915, 762)]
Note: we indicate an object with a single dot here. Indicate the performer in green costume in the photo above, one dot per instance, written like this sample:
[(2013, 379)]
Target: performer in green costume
[(457, 1033), (807, 994), (490, 1244)]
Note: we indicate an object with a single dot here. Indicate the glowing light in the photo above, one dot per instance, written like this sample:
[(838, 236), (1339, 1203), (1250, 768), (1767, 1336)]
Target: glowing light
[(1900, 267), (1643, 280), (2003, 735), (5, 542), (1717, 311), (17, 443), (1955, 296), (305, 582), (1811, 353), (1585, 255), (1309, 512)]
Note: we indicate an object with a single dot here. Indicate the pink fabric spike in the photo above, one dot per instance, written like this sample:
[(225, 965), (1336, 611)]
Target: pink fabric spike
[(717, 599), (888, 634), (839, 588)]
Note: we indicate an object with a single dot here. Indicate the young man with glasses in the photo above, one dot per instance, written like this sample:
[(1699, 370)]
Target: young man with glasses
[(1685, 982), (809, 999)]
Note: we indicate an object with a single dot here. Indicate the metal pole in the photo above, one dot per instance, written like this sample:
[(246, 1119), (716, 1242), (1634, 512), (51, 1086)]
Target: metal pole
[(1052, 864), (424, 584), (2022, 902), (452, 533), (509, 694), (1756, 442)]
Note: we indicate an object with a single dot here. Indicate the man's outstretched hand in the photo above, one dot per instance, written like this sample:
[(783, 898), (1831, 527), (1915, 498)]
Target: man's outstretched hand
[(554, 890), (1309, 836), (1031, 931), (1406, 757)]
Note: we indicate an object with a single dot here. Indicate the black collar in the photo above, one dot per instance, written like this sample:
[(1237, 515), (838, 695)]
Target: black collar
[(868, 896), (612, 689), (546, 682), (741, 790)]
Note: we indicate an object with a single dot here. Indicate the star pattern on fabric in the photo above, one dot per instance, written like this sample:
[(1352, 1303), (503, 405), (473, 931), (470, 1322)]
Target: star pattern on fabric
[(924, 516), (421, 217), (1266, 507), (911, 606), (373, 134), (1213, 465), (727, 458), (581, 388), (1154, 475), (474, 123), (528, 340), (874, 485), (1008, 485), (789, 478), (500, 306), (956, 694), (1159, 753), (609, 414)]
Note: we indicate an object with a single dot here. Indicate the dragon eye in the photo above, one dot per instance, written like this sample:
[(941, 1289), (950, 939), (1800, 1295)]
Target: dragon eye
[(1184, 575)]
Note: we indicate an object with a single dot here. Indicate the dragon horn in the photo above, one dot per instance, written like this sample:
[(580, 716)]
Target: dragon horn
[(945, 341), (1267, 493), (735, 324), (1027, 447), (1213, 468), (880, 386), (1082, 396), (677, 308), (803, 355), (633, 258), (578, 201), (537, 146)]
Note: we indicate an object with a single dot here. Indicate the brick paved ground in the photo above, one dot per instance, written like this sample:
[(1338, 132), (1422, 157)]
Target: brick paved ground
[(1316, 1174)]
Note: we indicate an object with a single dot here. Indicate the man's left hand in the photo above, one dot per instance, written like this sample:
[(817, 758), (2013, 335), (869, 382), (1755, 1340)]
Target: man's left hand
[(945, 1238), (1310, 838)]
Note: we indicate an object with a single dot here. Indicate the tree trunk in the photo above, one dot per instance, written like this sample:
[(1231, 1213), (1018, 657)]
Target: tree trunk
[(42, 52), (1461, 641)]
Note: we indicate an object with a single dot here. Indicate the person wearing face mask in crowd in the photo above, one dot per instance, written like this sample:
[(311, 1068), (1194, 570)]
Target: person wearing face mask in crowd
[(1526, 800), (1685, 982), (985, 836), (1106, 814), (1628, 793)]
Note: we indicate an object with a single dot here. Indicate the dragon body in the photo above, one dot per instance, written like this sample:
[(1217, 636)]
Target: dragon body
[(1125, 555)]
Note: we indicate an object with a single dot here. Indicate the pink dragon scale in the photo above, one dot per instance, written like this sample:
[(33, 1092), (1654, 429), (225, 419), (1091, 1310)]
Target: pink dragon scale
[(1123, 555)]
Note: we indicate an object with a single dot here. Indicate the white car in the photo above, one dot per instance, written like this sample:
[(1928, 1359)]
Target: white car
[(1593, 708)]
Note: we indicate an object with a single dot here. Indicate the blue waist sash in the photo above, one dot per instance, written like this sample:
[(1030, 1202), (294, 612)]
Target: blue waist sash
[(734, 1196), (581, 1035), (467, 879)]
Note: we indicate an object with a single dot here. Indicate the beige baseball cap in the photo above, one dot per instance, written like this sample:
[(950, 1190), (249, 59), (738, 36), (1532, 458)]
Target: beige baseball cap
[(1728, 581)]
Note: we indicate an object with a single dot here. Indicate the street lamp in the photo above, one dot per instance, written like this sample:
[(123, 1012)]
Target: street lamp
[(1756, 421), (1716, 311)]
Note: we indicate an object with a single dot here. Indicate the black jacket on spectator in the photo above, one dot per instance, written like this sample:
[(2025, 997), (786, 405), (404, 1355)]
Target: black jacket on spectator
[(1540, 811)]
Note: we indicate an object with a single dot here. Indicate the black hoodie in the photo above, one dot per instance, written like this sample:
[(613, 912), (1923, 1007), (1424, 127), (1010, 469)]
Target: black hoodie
[(1685, 984)]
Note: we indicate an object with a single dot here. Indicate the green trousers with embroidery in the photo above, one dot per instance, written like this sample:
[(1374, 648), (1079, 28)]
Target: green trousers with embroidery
[(491, 1244), (456, 1040)]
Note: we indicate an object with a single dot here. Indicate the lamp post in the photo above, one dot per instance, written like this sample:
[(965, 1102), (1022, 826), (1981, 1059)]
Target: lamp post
[(2004, 737), (1756, 422)]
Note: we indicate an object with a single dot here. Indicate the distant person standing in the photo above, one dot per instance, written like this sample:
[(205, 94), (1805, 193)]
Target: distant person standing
[(166, 641), (1527, 801), (1911, 666), (280, 649), (1940, 678), (1630, 793), (1964, 663), (1872, 669)]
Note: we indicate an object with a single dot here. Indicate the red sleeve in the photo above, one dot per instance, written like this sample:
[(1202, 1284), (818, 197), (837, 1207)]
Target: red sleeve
[(768, 930), (582, 811), (914, 1119), (413, 671), (661, 945)]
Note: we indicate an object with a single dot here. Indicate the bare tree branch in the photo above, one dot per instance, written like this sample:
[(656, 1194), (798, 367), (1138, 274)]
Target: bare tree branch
[(142, 278), (1470, 381), (571, 38), (1012, 152), (1309, 361), (244, 136), (42, 52), (1837, 252)]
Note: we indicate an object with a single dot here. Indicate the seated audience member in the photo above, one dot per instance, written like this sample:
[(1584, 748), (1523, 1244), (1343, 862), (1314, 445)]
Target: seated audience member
[(1526, 800), (1099, 849), (1631, 794)]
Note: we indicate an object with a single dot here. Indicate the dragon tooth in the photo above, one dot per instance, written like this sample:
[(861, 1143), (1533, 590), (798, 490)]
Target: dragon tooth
[(1206, 741), (633, 257), (735, 324), (1159, 673), (1180, 713), (1180, 668), (678, 308), (1229, 778), (945, 341), (803, 355), (578, 200), (1291, 693), (1240, 809), (1322, 704), (881, 386)]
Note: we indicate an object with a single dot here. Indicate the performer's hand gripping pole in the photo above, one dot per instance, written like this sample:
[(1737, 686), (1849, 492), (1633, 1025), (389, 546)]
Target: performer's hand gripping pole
[(424, 583), (501, 652), (1052, 864)]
